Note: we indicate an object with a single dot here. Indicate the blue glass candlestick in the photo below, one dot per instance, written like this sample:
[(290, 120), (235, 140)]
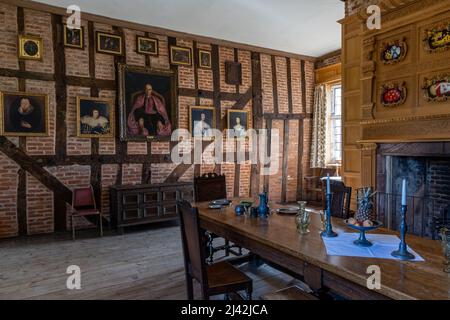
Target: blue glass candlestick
[(328, 232), (402, 253)]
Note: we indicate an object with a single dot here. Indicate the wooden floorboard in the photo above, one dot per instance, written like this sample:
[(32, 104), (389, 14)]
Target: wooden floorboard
[(140, 265)]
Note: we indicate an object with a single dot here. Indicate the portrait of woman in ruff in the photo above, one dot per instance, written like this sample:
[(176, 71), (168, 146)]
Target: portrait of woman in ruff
[(95, 117), (147, 103)]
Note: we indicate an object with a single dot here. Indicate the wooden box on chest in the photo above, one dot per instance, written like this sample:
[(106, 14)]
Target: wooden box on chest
[(142, 204)]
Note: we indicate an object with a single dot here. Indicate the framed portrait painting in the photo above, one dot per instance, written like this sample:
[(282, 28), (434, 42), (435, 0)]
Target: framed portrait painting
[(204, 59), (238, 122), (180, 56), (23, 114), (30, 47), (74, 38), (202, 120), (109, 43), (95, 117), (147, 46), (147, 103)]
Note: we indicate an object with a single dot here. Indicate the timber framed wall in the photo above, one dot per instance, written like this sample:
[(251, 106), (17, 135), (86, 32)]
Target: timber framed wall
[(37, 174)]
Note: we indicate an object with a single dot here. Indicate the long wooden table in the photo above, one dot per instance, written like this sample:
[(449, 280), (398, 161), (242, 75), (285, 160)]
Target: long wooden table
[(277, 240)]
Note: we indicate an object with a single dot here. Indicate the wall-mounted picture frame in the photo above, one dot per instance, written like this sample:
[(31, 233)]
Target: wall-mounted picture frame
[(238, 122), (109, 43), (393, 94), (437, 39), (392, 52), (74, 38), (23, 114), (437, 89), (180, 56), (202, 119), (233, 72), (147, 46), (31, 47), (95, 117), (147, 103), (204, 59)]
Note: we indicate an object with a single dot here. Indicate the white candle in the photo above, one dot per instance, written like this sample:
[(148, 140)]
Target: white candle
[(328, 184), (404, 193)]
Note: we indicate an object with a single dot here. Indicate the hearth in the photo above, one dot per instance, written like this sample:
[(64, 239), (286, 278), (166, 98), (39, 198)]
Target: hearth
[(426, 166)]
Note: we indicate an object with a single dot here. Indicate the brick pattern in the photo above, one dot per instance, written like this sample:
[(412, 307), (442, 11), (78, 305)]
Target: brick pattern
[(267, 88), (77, 60), (8, 36), (183, 111), (131, 174), (162, 61), (137, 148), (205, 76), (281, 67), (186, 76), (225, 54), (328, 61), (310, 80), (109, 176), (104, 63), (43, 145), (40, 200), (160, 148), (160, 171), (74, 176), (108, 145), (75, 145), (39, 207), (275, 180), (38, 23), (296, 85), (245, 58), (292, 154), (8, 197), (133, 58)]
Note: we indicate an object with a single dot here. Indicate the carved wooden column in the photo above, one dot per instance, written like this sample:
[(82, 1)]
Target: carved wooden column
[(368, 78), (368, 164)]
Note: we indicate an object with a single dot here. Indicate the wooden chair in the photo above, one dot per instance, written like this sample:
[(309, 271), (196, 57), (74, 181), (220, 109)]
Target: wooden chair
[(340, 201), (209, 187), (219, 278), (83, 205)]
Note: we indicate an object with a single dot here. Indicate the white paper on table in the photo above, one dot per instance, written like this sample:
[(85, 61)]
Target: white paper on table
[(382, 247)]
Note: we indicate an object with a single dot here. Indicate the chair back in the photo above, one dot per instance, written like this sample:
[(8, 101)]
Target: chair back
[(210, 186), (83, 198), (340, 201), (194, 254)]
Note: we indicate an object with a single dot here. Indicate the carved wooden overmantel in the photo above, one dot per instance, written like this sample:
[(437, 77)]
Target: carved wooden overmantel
[(367, 121)]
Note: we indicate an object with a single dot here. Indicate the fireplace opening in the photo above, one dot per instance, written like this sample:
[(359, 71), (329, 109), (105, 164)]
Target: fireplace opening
[(427, 171)]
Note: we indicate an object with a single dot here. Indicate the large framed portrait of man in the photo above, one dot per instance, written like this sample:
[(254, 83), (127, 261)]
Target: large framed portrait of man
[(147, 103), (23, 114)]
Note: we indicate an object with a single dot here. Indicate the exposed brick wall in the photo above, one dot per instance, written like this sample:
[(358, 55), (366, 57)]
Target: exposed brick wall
[(40, 211), (40, 24), (75, 145), (109, 177), (8, 197), (39, 207), (131, 174), (328, 61), (8, 36)]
